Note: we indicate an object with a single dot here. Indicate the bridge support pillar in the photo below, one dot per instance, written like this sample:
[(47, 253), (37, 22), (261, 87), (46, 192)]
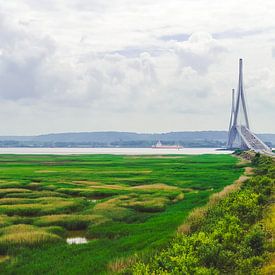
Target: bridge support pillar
[(239, 134)]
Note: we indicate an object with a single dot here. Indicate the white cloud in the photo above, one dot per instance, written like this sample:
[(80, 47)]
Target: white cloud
[(132, 65)]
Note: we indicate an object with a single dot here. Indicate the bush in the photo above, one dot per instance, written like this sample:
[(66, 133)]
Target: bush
[(256, 240)]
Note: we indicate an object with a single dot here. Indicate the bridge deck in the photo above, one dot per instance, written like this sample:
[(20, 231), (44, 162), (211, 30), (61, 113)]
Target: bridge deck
[(253, 142)]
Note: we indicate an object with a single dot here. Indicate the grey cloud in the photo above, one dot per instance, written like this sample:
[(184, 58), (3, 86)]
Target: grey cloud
[(199, 51), (22, 56), (177, 37)]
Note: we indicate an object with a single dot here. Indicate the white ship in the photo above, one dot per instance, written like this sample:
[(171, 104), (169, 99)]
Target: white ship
[(158, 145)]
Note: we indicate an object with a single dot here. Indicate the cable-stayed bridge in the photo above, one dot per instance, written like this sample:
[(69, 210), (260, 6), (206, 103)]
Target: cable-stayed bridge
[(240, 135)]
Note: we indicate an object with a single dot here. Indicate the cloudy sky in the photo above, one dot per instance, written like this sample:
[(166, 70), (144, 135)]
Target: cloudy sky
[(133, 65)]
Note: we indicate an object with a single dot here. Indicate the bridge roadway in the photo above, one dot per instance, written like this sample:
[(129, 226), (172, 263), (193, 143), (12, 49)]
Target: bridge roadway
[(253, 142)]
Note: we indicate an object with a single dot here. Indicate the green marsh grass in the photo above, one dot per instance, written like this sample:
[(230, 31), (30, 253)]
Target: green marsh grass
[(38, 208), (70, 222), (127, 204)]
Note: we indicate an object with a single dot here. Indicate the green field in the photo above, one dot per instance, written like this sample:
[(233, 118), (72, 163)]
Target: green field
[(122, 204)]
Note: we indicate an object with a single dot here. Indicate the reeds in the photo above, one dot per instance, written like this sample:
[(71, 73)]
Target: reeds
[(5, 191), (25, 235), (120, 264), (70, 222)]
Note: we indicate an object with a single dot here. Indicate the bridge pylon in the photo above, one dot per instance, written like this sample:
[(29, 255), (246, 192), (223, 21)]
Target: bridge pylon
[(238, 109), (239, 134)]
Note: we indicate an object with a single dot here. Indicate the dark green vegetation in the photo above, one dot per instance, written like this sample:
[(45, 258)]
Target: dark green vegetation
[(123, 204), (231, 238)]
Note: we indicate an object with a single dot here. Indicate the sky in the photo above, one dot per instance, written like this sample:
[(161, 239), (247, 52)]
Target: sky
[(134, 65)]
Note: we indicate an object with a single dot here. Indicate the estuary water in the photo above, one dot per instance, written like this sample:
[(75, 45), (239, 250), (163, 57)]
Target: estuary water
[(113, 151)]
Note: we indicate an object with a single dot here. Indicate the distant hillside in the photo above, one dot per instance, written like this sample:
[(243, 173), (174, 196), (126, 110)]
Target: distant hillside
[(116, 136), (123, 139)]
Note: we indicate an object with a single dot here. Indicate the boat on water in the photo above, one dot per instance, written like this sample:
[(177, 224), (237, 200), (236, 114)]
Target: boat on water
[(158, 145)]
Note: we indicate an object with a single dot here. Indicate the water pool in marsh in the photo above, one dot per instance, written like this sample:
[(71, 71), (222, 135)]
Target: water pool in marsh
[(76, 240), (76, 237)]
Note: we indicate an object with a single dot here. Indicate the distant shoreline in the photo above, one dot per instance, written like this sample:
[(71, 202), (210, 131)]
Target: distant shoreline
[(112, 139), (112, 151)]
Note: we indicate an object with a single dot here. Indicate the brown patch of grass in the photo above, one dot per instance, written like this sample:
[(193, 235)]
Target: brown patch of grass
[(143, 203), (35, 194), (269, 219), (45, 171), (110, 186), (112, 211), (120, 264), (25, 235), (179, 197), (138, 202), (31, 239), (22, 228), (40, 206), (6, 191), (12, 201), (4, 258), (249, 171), (243, 161), (269, 267), (122, 172), (5, 220), (86, 182), (194, 220), (153, 157), (158, 186), (70, 222), (215, 198), (241, 179)]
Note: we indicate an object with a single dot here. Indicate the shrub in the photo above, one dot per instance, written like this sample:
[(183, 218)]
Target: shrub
[(256, 240)]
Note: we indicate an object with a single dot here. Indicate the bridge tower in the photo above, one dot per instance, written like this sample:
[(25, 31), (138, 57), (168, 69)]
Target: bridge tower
[(232, 110), (238, 111), (240, 135)]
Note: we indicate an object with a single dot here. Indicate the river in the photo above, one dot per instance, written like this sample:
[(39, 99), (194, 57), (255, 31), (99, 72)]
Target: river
[(113, 151)]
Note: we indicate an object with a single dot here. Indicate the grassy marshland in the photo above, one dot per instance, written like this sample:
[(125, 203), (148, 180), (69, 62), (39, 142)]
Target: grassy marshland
[(123, 204)]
